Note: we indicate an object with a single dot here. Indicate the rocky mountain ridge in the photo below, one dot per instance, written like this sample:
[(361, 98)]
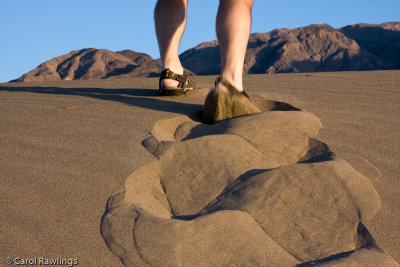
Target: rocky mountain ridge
[(314, 48)]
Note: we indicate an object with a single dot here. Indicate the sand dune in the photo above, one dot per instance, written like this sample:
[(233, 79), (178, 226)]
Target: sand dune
[(270, 189)]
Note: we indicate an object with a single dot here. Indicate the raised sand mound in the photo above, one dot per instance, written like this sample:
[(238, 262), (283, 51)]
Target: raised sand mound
[(257, 190)]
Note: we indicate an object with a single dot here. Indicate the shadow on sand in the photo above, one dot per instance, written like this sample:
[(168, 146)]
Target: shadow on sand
[(144, 98)]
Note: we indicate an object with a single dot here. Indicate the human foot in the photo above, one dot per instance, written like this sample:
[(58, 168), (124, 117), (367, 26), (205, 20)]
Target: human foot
[(171, 83), (225, 102)]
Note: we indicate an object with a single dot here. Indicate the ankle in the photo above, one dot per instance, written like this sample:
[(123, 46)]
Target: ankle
[(237, 83), (178, 69)]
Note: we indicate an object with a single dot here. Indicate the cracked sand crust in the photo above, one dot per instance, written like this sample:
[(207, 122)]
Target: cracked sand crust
[(257, 190)]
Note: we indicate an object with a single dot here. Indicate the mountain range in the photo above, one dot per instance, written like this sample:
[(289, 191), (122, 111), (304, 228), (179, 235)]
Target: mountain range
[(314, 48)]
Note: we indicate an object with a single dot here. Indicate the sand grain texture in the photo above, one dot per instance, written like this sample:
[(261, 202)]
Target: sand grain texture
[(268, 180)]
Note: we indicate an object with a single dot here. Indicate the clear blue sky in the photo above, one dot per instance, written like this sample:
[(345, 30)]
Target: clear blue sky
[(33, 31)]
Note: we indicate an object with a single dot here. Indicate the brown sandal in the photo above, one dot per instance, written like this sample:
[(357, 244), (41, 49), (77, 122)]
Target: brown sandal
[(185, 83), (221, 105)]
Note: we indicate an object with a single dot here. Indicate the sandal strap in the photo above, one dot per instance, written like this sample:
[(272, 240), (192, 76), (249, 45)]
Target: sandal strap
[(181, 78), (232, 89)]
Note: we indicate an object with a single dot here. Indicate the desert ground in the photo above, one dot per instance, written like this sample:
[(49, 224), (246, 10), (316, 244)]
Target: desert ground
[(72, 154)]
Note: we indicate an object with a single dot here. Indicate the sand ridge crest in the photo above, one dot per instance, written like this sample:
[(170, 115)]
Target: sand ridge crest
[(258, 190)]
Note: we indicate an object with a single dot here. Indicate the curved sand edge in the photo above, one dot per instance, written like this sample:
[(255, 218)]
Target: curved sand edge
[(187, 196)]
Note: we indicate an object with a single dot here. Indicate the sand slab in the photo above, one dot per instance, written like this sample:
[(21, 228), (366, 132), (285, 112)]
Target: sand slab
[(359, 111), (309, 211)]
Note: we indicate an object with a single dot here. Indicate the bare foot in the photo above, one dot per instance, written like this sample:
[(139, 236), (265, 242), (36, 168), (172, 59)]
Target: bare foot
[(169, 83)]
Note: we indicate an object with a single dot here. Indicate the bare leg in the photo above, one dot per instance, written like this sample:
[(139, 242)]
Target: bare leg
[(233, 29), (170, 21)]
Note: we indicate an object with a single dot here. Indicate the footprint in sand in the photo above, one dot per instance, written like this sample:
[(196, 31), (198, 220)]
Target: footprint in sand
[(257, 190)]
